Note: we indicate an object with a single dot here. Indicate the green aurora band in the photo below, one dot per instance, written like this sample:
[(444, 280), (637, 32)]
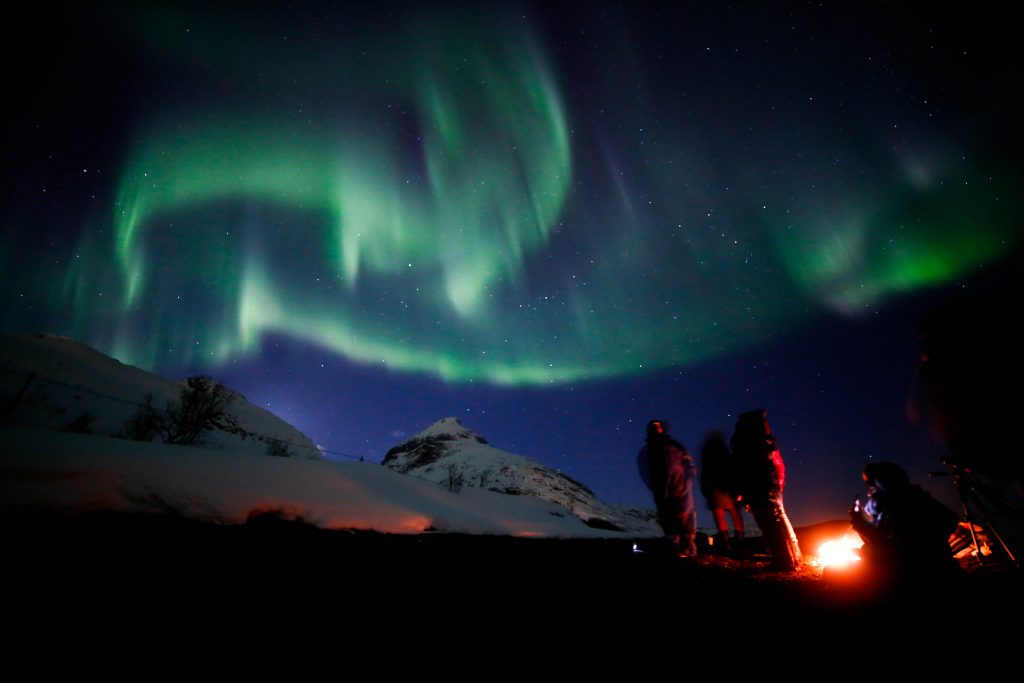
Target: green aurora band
[(442, 225)]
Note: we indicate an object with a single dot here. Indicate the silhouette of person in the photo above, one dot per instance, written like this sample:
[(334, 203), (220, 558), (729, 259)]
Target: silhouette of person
[(669, 471), (720, 486), (906, 531), (762, 481), (969, 370), (969, 346)]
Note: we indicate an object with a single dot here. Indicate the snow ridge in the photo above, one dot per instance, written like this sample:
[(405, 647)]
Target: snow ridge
[(54, 383)]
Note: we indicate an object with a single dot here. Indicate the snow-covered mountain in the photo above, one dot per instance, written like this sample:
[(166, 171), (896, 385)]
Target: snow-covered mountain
[(456, 458), (74, 473), (61, 401), (54, 383)]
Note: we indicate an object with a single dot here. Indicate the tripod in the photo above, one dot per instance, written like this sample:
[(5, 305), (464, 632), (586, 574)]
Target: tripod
[(970, 489)]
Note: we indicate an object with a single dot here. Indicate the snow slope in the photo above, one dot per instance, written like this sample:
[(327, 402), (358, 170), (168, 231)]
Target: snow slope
[(47, 470), (54, 383), (61, 401), (455, 457)]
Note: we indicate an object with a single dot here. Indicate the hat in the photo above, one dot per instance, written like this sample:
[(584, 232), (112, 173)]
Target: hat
[(657, 429)]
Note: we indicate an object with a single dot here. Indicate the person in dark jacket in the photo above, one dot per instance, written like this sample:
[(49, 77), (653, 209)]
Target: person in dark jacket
[(669, 471), (905, 531), (762, 481), (719, 484)]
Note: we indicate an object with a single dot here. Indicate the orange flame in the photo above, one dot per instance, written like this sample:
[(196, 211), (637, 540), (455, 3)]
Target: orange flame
[(839, 552)]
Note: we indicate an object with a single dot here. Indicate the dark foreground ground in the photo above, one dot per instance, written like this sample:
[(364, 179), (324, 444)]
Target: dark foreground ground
[(268, 576)]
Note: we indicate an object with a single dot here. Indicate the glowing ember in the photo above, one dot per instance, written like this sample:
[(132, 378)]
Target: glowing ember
[(839, 552)]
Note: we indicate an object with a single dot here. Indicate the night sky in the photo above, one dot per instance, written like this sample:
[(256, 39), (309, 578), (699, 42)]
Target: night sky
[(554, 221)]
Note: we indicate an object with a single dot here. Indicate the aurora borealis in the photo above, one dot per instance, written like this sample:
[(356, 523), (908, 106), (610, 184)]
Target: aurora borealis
[(525, 202), (430, 214)]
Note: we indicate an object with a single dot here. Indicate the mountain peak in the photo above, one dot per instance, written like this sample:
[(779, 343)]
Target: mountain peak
[(448, 453), (447, 429), (432, 443)]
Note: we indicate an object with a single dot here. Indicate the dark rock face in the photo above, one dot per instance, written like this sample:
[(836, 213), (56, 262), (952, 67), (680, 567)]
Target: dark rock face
[(422, 451), (430, 445)]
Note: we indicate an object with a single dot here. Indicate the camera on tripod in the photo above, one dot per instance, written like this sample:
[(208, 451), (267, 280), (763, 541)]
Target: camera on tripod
[(980, 505)]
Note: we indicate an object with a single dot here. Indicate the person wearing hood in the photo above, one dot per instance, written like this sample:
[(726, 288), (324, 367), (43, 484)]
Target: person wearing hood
[(762, 481), (669, 471), (905, 531)]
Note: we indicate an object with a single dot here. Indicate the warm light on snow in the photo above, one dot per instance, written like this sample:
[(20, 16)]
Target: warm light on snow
[(75, 472), (230, 479)]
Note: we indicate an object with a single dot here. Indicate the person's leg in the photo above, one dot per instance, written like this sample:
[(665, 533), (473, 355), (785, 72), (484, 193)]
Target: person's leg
[(737, 522), (720, 524), (781, 538)]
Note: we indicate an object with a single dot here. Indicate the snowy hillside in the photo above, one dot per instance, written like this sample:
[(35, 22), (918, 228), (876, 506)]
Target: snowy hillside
[(454, 457), (70, 473), (61, 403), (54, 383)]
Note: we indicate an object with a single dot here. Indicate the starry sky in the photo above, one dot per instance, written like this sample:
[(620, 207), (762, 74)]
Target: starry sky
[(554, 221)]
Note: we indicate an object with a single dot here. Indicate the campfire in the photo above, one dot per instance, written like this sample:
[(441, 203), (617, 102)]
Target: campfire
[(839, 552)]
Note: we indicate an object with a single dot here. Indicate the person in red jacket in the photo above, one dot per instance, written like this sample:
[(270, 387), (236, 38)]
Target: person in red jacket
[(762, 481)]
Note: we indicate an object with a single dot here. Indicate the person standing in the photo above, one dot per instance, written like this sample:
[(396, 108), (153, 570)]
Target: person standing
[(762, 481), (669, 471), (718, 483)]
